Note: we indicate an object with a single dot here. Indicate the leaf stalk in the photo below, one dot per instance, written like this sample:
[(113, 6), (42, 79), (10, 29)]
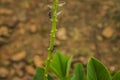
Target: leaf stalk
[(52, 37)]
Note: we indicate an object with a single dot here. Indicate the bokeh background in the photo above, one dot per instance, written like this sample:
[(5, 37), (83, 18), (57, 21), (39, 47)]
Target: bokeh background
[(85, 28)]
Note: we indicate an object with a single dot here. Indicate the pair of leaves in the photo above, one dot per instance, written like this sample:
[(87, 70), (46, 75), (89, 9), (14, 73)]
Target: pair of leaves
[(95, 69), (60, 65)]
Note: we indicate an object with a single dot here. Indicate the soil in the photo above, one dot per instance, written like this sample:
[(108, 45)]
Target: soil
[(85, 28)]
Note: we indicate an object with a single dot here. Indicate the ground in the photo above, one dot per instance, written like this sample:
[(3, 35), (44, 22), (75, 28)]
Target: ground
[(85, 28)]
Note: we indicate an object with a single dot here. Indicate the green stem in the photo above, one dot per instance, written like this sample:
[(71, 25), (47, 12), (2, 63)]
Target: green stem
[(52, 37)]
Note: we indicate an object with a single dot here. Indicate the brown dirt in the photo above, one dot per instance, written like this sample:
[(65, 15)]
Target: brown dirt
[(85, 28)]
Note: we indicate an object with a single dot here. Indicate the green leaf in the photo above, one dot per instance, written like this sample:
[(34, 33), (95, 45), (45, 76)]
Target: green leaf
[(116, 76), (39, 75), (97, 71), (60, 65), (78, 73)]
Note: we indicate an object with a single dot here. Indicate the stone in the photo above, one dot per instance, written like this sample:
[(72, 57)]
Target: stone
[(6, 11), (21, 31), (3, 72), (4, 31), (61, 34), (112, 68), (19, 56), (30, 69), (19, 65), (33, 28), (16, 78), (108, 32), (99, 38), (37, 61), (19, 72), (6, 1), (83, 60), (6, 62), (2, 40), (12, 71)]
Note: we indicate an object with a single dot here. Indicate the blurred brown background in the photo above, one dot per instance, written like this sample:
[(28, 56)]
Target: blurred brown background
[(85, 28)]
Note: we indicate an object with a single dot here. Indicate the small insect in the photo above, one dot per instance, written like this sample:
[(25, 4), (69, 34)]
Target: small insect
[(54, 47), (50, 14)]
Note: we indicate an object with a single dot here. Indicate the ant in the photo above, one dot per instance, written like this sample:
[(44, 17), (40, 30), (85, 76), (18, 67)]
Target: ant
[(50, 14)]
